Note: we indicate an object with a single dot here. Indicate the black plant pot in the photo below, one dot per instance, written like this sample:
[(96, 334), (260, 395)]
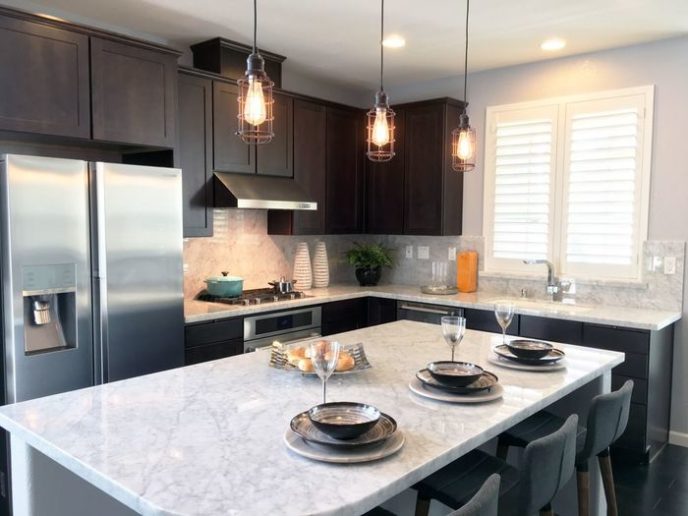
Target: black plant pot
[(369, 276)]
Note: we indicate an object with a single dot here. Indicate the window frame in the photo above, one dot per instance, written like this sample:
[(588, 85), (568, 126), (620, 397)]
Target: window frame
[(557, 238)]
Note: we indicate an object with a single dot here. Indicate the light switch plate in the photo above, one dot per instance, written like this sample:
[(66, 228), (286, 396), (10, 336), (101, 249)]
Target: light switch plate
[(451, 254), (669, 265), (409, 251), (423, 252)]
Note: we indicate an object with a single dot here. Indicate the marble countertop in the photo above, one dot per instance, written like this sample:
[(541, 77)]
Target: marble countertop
[(208, 439), (642, 319)]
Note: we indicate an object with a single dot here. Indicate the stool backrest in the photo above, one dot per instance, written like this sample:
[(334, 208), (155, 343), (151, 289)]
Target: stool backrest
[(548, 464), (607, 420), (484, 502)]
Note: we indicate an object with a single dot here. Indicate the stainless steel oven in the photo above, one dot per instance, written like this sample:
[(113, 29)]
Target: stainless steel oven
[(424, 312), (262, 330)]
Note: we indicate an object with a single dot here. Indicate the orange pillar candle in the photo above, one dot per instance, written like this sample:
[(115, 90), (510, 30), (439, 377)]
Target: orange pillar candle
[(467, 271)]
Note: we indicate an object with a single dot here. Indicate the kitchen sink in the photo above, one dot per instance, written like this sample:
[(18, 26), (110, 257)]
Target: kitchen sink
[(541, 305)]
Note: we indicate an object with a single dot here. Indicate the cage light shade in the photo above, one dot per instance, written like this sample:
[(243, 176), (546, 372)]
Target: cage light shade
[(255, 107), (463, 147), (380, 133)]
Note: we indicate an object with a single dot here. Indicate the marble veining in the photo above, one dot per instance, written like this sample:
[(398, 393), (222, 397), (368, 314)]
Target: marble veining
[(638, 318), (208, 439)]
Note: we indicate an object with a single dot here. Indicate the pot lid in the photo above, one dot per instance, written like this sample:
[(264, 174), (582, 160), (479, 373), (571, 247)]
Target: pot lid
[(225, 277)]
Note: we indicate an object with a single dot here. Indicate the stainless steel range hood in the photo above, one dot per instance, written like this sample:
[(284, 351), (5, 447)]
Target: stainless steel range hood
[(261, 192)]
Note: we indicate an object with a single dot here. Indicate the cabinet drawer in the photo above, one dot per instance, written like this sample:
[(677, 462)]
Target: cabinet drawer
[(634, 438), (215, 351), (634, 365), (616, 339), (484, 320), (639, 394), (215, 331), (568, 332)]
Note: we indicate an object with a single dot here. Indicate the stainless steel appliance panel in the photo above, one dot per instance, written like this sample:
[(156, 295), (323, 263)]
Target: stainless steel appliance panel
[(422, 312), (137, 269), (46, 276)]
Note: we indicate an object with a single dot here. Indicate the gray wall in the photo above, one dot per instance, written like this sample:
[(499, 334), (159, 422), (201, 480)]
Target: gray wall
[(664, 64)]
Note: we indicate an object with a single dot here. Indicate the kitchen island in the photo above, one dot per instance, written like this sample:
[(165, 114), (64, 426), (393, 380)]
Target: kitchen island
[(208, 439)]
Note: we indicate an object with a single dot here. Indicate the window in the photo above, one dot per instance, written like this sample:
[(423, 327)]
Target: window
[(568, 180)]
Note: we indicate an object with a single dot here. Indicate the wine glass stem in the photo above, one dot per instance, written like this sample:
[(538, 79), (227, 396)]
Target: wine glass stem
[(503, 335), (453, 348), (324, 382)]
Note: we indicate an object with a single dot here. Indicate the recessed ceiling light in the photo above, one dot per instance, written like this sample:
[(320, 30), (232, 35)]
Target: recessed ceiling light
[(553, 44), (394, 41)]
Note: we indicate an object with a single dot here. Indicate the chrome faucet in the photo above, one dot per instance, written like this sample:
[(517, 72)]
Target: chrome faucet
[(555, 288)]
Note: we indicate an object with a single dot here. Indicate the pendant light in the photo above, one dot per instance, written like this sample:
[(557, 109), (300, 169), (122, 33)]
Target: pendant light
[(255, 96), (463, 137), (381, 116)]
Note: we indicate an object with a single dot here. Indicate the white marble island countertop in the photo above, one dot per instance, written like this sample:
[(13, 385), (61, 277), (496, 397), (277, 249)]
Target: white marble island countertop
[(208, 439), (642, 319)]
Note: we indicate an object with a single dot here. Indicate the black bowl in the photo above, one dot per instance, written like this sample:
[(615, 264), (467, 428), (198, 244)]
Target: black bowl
[(343, 419), (526, 348), (455, 374)]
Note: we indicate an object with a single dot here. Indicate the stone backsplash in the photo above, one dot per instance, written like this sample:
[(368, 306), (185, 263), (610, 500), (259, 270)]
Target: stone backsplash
[(242, 246)]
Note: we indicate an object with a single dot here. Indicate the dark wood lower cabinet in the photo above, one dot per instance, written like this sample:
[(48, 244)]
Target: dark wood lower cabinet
[(381, 310), (213, 340), (568, 332), (341, 316), (484, 320)]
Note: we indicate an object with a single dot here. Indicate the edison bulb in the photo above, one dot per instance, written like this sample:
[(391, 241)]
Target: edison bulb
[(465, 147), (380, 135), (255, 112)]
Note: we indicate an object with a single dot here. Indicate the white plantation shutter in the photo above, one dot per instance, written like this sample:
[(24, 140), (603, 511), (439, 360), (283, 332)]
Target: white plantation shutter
[(521, 155), (603, 171), (577, 196)]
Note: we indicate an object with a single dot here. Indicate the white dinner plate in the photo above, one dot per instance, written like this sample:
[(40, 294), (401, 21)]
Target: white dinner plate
[(325, 453), (426, 391), (495, 359)]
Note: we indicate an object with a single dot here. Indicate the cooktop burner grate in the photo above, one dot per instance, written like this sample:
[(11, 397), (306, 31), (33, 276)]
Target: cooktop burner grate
[(252, 297)]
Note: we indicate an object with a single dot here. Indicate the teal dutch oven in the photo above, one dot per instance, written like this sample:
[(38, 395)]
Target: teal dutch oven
[(225, 285)]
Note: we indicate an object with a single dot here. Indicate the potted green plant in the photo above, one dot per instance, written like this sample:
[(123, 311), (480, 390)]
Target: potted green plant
[(368, 259)]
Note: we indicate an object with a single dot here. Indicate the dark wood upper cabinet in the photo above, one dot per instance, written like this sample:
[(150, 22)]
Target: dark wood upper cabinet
[(385, 188), (134, 94), (344, 180), (433, 191), (195, 153), (230, 153), (45, 83), (276, 158)]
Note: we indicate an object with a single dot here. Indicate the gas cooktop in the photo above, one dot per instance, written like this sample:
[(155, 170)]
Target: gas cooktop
[(253, 297)]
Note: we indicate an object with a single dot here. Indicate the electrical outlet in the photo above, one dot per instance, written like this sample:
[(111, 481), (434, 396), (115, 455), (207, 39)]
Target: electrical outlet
[(656, 264), (185, 268), (423, 252), (669, 265), (451, 255), (409, 251)]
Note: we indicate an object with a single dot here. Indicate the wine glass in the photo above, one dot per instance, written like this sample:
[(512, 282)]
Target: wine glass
[(324, 355), (453, 329), (504, 312)]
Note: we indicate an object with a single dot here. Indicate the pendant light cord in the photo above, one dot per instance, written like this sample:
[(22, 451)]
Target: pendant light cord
[(382, 36), (255, 24), (465, 60)]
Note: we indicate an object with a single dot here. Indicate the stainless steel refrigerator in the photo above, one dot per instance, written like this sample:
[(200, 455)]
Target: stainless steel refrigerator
[(91, 268)]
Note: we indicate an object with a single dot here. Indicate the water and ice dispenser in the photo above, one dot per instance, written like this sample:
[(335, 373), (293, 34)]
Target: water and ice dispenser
[(50, 320)]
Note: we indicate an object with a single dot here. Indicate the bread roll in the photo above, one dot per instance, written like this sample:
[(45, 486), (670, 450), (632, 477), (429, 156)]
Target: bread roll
[(345, 362), (305, 365), (294, 355)]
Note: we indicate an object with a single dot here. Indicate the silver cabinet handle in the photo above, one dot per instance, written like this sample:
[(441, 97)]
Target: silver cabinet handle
[(428, 310)]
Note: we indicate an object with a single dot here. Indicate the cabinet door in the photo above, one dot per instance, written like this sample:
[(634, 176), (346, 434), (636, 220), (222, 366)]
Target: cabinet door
[(385, 189), (484, 320), (309, 164), (134, 94), (44, 83), (424, 162), (568, 332), (276, 158), (230, 153), (341, 316), (195, 153), (344, 183), (381, 310)]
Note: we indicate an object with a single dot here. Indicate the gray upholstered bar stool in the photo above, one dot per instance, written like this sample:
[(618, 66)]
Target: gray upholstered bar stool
[(607, 420), (484, 503), (548, 464)]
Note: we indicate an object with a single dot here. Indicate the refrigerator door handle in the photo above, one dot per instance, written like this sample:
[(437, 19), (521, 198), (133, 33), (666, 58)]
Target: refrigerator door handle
[(98, 259)]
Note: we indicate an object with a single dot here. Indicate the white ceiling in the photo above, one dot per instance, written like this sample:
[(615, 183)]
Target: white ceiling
[(337, 39)]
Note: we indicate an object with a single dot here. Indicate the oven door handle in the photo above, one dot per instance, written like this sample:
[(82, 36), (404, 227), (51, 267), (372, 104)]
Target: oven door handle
[(265, 346)]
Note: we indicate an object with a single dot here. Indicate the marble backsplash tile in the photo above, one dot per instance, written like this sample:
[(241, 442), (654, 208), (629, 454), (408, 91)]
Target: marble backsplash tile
[(242, 246)]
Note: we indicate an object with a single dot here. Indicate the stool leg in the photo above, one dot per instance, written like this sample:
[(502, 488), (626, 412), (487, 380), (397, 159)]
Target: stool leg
[(502, 449), (422, 506), (583, 483), (547, 510), (608, 481)]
